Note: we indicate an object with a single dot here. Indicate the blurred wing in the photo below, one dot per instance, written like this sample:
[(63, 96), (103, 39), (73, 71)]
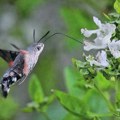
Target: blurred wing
[(8, 56)]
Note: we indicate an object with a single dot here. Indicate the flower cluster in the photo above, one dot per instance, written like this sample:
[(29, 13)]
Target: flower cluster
[(101, 40)]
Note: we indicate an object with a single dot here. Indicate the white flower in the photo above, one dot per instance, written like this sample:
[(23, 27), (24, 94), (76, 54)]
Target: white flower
[(88, 33), (114, 48), (99, 44), (100, 60), (103, 35)]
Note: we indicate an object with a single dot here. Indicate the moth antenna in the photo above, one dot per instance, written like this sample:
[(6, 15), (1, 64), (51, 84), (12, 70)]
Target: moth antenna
[(63, 35), (34, 35), (13, 45), (44, 36)]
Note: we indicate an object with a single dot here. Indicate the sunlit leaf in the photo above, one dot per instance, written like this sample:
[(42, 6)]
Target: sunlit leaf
[(117, 6), (35, 89), (102, 81)]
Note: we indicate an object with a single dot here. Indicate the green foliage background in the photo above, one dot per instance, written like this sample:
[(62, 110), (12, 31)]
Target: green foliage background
[(55, 90)]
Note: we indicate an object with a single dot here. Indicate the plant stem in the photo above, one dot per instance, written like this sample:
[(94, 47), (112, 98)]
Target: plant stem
[(110, 106), (117, 98), (100, 115), (46, 116)]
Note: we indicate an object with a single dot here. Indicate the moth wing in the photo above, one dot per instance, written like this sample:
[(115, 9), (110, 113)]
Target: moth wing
[(19, 68), (8, 55)]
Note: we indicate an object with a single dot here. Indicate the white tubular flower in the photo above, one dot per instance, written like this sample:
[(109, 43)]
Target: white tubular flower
[(100, 60), (88, 33), (103, 35), (114, 48), (99, 44)]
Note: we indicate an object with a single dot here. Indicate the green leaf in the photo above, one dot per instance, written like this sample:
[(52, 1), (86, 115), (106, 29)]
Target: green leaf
[(35, 90), (117, 6), (71, 117), (71, 79), (102, 81), (92, 101), (8, 108), (70, 103), (27, 109), (107, 16), (78, 63), (31, 106)]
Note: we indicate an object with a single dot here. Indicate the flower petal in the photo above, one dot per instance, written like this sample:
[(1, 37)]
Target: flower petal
[(100, 60), (97, 22), (103, 35), (88, 33), (114, 48), (90, 45)]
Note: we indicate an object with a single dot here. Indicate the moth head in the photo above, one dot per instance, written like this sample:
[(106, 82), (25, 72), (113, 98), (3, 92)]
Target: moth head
[(36, 48)]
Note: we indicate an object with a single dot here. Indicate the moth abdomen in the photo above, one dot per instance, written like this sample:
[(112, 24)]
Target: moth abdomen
[(8, 81), (5, 87)]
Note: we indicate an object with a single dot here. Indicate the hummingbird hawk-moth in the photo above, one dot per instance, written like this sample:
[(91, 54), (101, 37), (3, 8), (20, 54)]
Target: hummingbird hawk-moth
[(22, 62)]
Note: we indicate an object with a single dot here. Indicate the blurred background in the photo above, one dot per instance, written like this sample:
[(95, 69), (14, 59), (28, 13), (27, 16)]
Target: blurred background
[(18, 18)]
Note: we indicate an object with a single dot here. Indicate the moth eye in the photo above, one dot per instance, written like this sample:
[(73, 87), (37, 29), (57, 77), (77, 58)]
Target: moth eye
[(38, 48)]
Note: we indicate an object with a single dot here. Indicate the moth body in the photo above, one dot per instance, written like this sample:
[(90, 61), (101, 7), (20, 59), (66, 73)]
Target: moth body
[(22, 65)]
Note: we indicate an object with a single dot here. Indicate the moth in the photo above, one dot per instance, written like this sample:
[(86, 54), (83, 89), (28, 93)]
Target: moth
[(21, 63)]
